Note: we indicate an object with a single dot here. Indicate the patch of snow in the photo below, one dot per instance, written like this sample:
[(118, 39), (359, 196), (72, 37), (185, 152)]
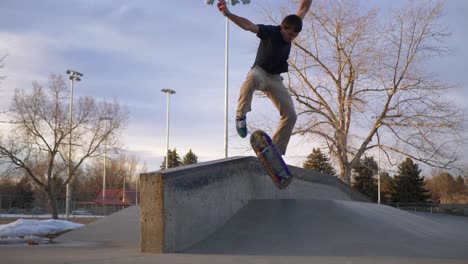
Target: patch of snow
[(48, 216), (29, 227)]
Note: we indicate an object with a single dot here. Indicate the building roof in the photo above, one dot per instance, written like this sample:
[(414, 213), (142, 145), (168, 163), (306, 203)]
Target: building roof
[(115, 197)]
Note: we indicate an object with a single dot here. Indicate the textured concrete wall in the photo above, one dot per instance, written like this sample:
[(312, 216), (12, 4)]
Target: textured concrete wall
[(184, 205), (151, 213)]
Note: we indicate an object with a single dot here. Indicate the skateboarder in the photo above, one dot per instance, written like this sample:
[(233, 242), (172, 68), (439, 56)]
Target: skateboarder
[(271, 61)]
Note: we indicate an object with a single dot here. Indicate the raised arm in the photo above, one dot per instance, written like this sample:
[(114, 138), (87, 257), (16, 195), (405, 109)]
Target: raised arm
[(240, 21), (303, 8)]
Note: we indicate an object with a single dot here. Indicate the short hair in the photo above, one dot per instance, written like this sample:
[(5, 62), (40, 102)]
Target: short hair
[(293, 22)]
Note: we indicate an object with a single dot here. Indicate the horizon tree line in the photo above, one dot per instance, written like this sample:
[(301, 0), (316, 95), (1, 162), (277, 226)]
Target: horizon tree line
[(408, 185)]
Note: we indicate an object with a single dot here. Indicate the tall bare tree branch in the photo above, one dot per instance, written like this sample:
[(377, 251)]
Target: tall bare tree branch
[(354, 74), (38, 143)]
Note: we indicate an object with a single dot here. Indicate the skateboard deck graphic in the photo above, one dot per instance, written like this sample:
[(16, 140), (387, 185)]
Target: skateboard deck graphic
[(271, 159)]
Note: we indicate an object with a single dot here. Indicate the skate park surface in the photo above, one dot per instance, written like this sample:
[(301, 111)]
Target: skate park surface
[(317, 221)]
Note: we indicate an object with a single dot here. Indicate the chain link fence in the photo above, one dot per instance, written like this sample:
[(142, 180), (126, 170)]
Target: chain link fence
[(29, 206), (85, 205), (452, 209)]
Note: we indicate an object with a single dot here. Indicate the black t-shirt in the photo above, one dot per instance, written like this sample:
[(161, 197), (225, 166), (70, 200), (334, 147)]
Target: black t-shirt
[(273, 51)]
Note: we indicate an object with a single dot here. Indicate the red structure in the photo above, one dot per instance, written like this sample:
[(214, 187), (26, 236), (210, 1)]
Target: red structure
[(116, 197)]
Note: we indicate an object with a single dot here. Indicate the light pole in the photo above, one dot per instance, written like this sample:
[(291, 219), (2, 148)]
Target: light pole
[(73, 76), (123, 196), (226, 89), (383, 116), (226, 74), (378, 170), (168, 93), (105, 159)]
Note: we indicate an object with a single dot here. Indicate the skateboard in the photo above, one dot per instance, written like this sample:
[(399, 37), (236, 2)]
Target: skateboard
[(271, 159)]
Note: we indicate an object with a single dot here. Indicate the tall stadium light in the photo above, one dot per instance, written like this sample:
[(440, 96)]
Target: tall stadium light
[(378, 169), (226, 76), (226, 91), (168, 92), (73, 76), (379, 183), (107, 119)]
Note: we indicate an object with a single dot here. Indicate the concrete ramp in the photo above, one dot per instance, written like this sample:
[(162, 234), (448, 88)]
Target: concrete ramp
[(182, 206), (333, 228), (231, 207), (119, 229)]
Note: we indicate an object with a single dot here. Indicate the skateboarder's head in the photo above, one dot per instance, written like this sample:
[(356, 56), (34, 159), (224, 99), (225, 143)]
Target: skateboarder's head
[(290, 27)]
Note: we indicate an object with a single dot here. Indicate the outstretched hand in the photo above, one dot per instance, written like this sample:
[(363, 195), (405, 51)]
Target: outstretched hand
[(222, 7)]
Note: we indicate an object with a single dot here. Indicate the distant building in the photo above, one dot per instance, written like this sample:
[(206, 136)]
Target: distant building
[(116, 197)]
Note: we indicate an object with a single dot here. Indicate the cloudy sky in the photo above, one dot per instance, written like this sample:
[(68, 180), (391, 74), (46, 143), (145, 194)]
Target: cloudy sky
[(130, 50)]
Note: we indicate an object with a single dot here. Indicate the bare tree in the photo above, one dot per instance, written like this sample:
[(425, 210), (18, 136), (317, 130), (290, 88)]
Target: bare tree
[(356, 76), (38, 143), (442, 187), (461, 195), (119, 168)]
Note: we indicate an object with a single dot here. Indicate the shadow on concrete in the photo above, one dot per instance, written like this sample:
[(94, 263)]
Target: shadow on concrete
[(333, 228)]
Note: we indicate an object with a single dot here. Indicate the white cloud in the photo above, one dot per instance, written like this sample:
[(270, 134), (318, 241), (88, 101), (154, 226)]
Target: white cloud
[(27, 60)]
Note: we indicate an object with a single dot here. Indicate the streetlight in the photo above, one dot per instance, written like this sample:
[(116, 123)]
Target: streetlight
[(105, 159), (382, 117), (226, 88), (123, 196), (73, 76), (226, 76), (378, 169), (168, 92)]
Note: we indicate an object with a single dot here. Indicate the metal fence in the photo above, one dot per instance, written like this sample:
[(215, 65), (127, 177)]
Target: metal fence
[(452, 209), (13, 205), (83, 206)]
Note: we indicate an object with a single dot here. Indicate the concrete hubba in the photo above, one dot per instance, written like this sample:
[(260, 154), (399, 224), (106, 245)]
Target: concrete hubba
[(184, 205)]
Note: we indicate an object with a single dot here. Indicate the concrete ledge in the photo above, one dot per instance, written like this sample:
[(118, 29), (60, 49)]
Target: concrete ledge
[(184, 205)]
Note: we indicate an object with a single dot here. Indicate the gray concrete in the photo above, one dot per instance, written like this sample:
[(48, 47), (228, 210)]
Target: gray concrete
[(335, 228), (197, 200), (313, 231), (327, 226), (121, 229), (38, 255)]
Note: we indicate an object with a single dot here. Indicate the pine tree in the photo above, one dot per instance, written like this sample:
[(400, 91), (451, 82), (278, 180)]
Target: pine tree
[(364, 181), (174, 160), (319, 162), (190, 158), (409, 184)]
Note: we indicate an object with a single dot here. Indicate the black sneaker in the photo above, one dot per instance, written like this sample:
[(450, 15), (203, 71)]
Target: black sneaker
[(241, 126)]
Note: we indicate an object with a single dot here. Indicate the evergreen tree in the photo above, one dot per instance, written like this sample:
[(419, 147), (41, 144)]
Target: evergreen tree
[(409, 184), (19, 192), (319, 162), (364, 181), (174, 160), (190, 158)]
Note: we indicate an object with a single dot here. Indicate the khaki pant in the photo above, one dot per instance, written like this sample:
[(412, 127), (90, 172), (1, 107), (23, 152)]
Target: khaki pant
[(271, 85)]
